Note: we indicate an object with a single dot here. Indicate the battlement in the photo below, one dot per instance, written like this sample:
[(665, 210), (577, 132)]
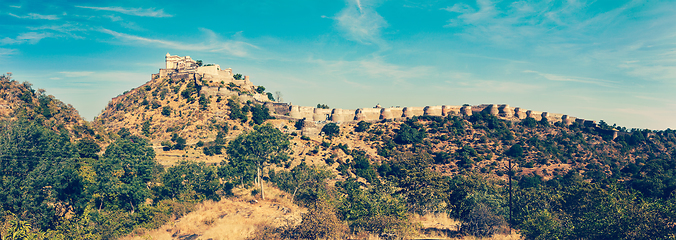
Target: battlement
[(337, 115)]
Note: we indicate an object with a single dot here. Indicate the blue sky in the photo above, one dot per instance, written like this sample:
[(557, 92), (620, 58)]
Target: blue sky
[(600, 60)]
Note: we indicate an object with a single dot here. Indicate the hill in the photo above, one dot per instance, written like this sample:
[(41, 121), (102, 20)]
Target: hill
[(21, 101), (195, 133), (186, 106)]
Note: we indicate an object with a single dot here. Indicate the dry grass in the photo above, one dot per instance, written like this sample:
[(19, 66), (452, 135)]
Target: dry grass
[(232, 218), (440, 226)]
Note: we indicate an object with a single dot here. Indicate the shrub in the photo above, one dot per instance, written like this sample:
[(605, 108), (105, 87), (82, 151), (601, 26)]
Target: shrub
[(362, 126), (166, 111), (331, 129)]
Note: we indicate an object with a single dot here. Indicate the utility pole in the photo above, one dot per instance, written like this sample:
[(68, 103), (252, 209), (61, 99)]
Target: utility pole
[(509, 173)]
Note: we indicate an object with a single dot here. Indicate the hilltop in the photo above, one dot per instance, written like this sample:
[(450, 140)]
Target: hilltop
[(21, 101)]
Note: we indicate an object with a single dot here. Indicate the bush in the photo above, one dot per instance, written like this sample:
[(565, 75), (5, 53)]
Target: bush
[(331, 129), (260, 89), (481, 222), (300, 124), (408, 135), (362, 126), (166, 111)]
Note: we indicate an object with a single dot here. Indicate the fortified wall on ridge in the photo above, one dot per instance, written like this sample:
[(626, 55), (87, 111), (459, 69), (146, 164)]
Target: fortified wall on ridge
[(187, 68), (502, 111)]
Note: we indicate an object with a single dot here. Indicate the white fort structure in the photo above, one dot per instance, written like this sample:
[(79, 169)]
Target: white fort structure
[(186, 67)]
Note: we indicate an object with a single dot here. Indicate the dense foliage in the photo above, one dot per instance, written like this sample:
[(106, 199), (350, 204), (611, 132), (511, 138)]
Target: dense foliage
[(55, 188)]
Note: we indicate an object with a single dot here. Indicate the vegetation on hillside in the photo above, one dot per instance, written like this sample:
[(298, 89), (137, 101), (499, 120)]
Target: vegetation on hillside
[(548, 180)]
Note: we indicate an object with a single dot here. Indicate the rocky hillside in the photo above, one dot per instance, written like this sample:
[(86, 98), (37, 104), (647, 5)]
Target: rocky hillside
[(21, 101), (178, 114)]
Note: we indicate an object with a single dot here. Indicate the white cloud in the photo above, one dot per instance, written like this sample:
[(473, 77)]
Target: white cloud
[(76, 74), (6, 51), (562, 78), (36, 16), (141, 12), (361, 23), (68, 29), (29, 37), (213, 43), (376, 68), (113, 18), (479, 85)]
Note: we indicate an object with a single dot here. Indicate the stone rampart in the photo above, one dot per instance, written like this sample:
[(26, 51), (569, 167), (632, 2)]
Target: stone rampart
[(520, 113), (186, 68), (342, 115), (391, 113), (410, 112), (450, 110), (434, 111), (568, 120), (505, 111), (492, 109), (368, 114), (278, 108), (553, 117), (466, 110), (321, 114), (534, 114)]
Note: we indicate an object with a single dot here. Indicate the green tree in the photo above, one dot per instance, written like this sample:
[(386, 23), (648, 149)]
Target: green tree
[(259, 114), (362, 126), (166, 111), (123, 174), (204, 102), (306, 182), (529, 122), (237, 76), (190, 181), (331, 130), (260, 89), (39, 179), (300, 124), (265, 145), (236, 110), (145, 128), (408, 135)]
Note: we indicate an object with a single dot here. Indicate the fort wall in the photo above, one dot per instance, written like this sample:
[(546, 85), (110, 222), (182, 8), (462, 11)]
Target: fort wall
[(187, 68), (450, 110), (368, 114), (410, 112), (434, 111)]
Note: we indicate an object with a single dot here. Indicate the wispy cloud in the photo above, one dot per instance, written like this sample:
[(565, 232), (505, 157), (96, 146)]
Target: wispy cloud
[(562, 78), (373, 69), (36, 16), (141, 12), (67, 28), (76, 74), (360, 22), (377, 68), (29, 37), (6, 51), (479, 85), (527, 22), (213, 43)]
